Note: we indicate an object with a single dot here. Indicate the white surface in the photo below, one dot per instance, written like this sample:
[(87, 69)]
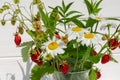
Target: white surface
[(9, 53)]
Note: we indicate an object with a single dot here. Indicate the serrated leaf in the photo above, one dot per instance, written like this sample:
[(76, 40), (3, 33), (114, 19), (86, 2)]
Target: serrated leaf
[(29, 43), (92, 74), (25, 53), (38, 71)]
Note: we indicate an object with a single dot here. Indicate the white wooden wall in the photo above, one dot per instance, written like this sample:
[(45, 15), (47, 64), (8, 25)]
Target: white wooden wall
[(10, 55)]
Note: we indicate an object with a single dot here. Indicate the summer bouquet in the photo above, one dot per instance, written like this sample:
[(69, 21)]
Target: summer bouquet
[(62, 39)]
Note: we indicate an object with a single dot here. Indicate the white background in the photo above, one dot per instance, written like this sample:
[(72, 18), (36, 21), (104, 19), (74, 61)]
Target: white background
[(10, 54)]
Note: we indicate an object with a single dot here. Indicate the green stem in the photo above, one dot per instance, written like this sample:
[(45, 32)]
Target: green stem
[(96, 27), (76, 58)]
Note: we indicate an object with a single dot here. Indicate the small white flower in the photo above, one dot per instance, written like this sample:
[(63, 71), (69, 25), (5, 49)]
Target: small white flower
[(75, 33), (54, 47), (89, 39), (111, 25), (96, 17)]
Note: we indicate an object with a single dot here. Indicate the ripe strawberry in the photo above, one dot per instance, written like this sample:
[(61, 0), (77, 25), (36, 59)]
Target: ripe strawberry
[(57, 35), (113, 43), (64, 68), (94, 53), (105, 58), (98, 74), (39, 62), (35, 56), (17, 39)]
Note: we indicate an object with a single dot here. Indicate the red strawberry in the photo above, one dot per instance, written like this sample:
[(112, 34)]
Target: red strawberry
[(113, 43), (57, 35), (64, 68), (17, 39), (98, 74), (94, 53), (35, 56), (105, 58), (39, 62)]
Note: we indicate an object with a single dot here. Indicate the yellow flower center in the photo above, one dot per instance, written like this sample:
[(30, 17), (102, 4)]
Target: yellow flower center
[(98, 18), (53, 45), (76, 29), (89, 36)]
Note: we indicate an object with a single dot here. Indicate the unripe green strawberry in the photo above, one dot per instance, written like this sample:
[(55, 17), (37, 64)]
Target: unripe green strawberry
[(3, 22), (17, 39), (16, 1), (13, 20), (17, 11), (5, 7), (1, 10)]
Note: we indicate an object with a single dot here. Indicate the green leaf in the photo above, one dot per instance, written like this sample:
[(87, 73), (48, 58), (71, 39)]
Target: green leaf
[(63, 5), (28, 43), (89, 6), (117, 19), (25, 53), (38, 71), (78, 23), (68, 6), (95, 59), (90, 22), (98, 3), (92, 74), (71, 12)]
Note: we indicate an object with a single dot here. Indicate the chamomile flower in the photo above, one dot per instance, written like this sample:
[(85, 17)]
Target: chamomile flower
[(89, 39), (75, 33), (104, 26), (54, 47), (96, 17)]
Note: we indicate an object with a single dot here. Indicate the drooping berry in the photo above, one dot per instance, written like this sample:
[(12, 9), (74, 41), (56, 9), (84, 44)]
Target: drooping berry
[(17, 39), (57, 35), (105, 58), (20, 30), (64, 67), (35, 56), (113, 43), (94, 53), (98, 74)]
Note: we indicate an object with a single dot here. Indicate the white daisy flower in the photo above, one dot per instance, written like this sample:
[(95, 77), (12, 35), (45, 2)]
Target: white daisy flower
[(89, 39), (111, 25), (54, 47), (75, 33), (96, 17)]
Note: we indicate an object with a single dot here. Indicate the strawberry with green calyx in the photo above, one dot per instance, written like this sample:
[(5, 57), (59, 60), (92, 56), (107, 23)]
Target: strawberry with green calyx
[(113, 43), (105, 58), (64, 67), (17, 39)]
